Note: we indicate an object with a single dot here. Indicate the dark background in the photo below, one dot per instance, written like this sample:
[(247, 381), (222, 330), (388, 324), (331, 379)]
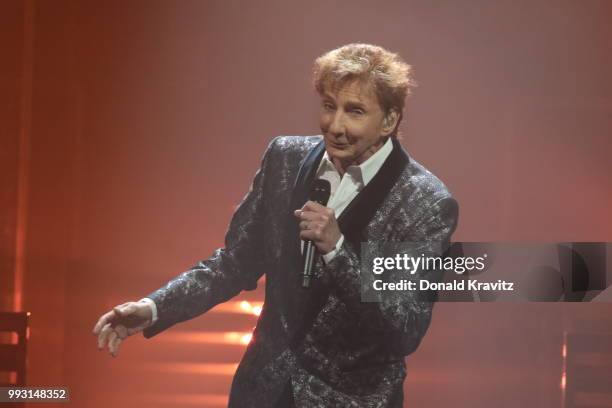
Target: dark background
[(130, 130)]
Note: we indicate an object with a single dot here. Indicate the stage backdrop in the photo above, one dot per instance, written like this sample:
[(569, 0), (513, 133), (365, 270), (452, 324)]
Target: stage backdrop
[(131, 129)]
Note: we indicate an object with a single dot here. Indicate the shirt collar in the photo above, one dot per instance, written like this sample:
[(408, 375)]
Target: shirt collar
[(366, 170)]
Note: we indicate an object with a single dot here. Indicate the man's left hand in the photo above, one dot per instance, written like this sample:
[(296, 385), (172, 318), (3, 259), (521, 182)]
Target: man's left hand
[(318, 224)]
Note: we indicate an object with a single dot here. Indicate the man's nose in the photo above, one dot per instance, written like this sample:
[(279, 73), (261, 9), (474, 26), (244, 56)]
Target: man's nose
[(337, 126)]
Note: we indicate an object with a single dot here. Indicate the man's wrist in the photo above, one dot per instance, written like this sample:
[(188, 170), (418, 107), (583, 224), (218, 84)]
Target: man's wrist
[(332, 254), (149, 302)]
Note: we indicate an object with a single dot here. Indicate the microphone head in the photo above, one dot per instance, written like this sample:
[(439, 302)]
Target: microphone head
[(320, 191)]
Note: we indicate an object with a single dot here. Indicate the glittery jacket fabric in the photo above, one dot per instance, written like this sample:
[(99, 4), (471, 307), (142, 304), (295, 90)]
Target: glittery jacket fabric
[(332, 349)]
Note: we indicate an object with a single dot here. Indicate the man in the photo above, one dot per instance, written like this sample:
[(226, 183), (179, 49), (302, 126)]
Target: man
[(320, 346)]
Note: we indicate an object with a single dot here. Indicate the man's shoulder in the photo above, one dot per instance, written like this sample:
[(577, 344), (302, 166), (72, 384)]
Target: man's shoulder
[(295, 144), (424, 198), (422, 184)]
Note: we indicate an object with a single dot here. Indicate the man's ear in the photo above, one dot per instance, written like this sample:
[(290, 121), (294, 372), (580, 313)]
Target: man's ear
[(390, 122)]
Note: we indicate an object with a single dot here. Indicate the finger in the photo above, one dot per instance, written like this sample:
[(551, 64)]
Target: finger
[(114, 346), (313, 206), (310, 235), (106, 330), (111, 339), (106, 318), (309, 216)]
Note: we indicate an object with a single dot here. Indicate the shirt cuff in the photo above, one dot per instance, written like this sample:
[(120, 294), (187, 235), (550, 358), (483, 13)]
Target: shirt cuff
[(152, 306), (332, 254)]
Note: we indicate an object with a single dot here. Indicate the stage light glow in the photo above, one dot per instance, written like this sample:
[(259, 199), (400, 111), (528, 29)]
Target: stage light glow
[(253, 308), (222, 338), (224, 369), (246, 339), (563, 381)]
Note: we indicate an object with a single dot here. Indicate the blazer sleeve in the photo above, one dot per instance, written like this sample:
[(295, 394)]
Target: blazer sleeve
[(229, 270), (400, 318)]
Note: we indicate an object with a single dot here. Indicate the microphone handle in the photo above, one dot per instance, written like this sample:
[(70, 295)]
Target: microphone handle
[(310, 250)]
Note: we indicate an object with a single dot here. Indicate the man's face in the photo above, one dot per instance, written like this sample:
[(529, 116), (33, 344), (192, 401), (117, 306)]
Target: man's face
[(351, 120)]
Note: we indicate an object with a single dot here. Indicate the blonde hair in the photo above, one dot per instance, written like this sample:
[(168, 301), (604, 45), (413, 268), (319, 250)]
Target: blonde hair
[(390, 77)]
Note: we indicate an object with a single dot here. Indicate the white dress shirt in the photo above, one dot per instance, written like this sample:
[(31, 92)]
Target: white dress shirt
[(343, 190)]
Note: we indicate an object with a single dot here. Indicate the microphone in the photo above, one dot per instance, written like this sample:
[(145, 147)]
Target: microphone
[(319, 192)]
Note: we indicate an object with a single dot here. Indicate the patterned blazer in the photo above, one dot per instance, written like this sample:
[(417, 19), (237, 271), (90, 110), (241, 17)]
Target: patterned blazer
[(331, 348)]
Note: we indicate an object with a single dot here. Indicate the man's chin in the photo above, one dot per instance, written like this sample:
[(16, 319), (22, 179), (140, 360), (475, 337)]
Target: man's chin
[(342, 155)]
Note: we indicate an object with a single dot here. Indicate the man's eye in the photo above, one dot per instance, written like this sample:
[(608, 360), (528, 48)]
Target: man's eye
[(328, 106), (357, 111)]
